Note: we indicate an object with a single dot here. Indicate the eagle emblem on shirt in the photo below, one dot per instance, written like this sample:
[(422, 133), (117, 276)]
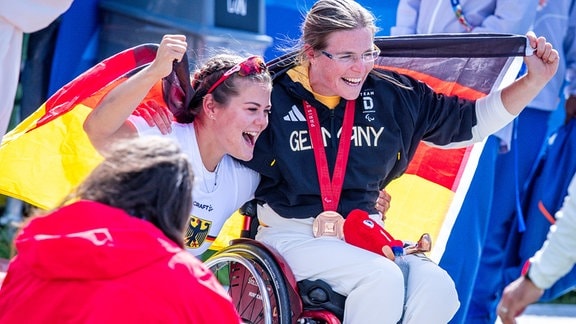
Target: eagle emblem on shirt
[(196, 232)]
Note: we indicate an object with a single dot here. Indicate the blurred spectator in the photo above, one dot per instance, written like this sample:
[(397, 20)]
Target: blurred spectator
[(556, 257), (555, 20), (98, 258), (17, 18)]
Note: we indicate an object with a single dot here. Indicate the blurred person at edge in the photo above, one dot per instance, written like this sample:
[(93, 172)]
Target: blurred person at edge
[(113, 252), (555, 20), (17, 18), (556, 258)]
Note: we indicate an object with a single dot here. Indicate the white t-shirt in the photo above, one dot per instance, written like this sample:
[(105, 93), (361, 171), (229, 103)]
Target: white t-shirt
[(216, 195)]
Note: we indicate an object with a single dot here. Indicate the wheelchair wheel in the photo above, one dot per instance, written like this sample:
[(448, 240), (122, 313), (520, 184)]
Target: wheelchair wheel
[(254, 281)]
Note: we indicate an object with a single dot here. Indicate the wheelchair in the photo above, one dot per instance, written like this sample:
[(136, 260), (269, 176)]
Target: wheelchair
[(262, 286)]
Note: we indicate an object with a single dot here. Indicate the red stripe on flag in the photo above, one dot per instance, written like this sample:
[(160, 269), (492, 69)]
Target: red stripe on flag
[(96, 78), (439, 85), (440, 166)]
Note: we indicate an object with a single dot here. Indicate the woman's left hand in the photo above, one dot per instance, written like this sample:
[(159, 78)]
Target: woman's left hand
[(383, 203), (543, 64)]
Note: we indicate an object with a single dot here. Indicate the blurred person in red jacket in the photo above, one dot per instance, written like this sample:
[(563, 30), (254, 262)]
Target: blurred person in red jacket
[(113, 252)]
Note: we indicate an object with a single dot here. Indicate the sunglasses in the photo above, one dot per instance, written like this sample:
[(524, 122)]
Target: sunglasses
[(251, 66)]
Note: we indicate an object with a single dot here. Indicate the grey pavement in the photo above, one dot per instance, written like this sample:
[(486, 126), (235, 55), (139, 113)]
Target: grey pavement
[(547, 314)]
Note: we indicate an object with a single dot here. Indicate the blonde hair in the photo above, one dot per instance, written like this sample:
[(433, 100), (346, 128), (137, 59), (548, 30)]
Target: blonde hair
[(328, 16)]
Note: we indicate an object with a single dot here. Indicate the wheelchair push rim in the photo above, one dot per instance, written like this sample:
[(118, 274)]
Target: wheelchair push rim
[(246, 271)]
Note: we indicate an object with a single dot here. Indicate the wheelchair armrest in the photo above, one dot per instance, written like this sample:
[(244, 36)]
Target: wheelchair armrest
[(249, 208), (249, 211)]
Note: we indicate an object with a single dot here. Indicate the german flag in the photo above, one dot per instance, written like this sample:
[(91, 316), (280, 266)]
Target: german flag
[(428, 197), (49, 154)]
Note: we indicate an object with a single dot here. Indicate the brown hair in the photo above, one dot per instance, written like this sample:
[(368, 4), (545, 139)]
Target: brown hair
[(149, 178), (205, 76)]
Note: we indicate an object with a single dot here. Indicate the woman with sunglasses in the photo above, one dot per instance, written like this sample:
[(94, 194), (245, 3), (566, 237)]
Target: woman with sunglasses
[(308, 173), (228, 112)]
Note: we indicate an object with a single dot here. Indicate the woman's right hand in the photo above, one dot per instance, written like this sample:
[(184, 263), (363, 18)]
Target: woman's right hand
[(107, 121), (172, 48)]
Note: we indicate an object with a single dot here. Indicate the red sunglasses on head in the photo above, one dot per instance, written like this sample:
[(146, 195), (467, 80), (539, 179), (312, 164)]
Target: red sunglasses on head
[(250, 66)]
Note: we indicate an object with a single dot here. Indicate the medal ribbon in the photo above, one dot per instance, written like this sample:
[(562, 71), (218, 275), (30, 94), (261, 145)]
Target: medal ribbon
[(330, 189)]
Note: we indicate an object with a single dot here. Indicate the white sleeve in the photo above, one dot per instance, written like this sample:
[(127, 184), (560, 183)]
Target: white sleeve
[(491, 115), (142, 126), (252, 184), (558, 254)]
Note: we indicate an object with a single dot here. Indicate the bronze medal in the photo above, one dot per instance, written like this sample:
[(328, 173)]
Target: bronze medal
[(328, 223)]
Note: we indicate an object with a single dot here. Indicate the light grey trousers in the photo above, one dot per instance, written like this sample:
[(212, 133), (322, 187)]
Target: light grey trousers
[(373, 284)]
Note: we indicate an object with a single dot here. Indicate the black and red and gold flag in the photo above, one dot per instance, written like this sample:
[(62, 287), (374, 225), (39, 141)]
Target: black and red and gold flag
[(48, 154)]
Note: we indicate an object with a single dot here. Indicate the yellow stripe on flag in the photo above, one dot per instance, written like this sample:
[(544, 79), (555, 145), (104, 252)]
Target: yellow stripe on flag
[(230, 230), (418, 206), (45, 164)]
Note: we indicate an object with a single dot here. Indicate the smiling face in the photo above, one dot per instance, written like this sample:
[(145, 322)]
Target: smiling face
[(334, 76), (242, 119)]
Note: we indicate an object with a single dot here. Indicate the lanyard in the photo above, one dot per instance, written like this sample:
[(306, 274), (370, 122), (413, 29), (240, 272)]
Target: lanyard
[(330, 189), (460, 15)]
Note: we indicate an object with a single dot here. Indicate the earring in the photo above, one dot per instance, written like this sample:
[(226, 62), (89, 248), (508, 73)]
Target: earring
[(212, 116)]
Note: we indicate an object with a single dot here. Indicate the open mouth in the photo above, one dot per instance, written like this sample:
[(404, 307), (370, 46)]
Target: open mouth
[(250, 137), (352, 81)]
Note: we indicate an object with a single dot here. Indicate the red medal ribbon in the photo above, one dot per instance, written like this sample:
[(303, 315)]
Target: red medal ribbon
[(330, 189)]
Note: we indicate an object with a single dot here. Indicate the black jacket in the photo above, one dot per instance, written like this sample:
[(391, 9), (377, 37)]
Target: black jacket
[(389, 123)]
